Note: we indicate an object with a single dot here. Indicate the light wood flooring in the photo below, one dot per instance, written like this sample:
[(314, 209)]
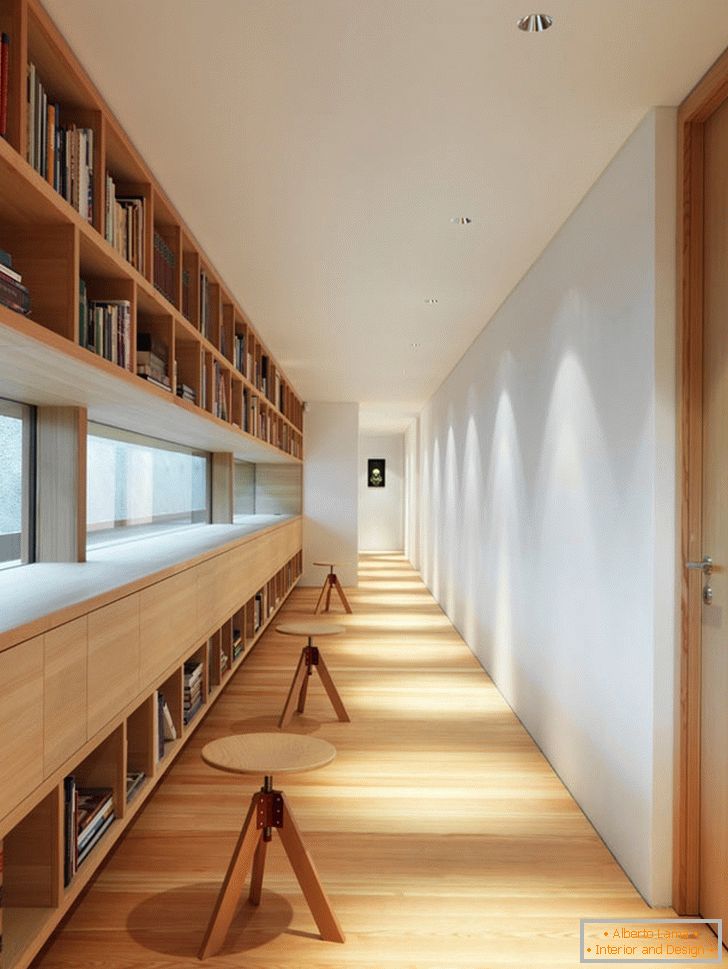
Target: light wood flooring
[(442, 836)]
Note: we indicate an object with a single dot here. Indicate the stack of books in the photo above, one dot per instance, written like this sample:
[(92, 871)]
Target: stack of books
[(134, 780), (4, 81), (12, 292), (184, 390), (237, 643), (223, 660), (104, 327), (124, 224), (186, 393), (64, 156), (152, 361), (193, 688), (166, 730), (165, 267), (88, 814)]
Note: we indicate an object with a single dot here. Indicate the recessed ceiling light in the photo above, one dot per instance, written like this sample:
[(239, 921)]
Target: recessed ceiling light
[(535, 23), (461, 220), (432, 300)]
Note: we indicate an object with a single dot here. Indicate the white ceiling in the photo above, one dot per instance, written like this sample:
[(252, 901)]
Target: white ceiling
[(319, 148)]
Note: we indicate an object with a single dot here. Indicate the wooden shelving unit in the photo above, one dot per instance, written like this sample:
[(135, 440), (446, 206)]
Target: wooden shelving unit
[(35, 896), (213, 608), (211, 346)]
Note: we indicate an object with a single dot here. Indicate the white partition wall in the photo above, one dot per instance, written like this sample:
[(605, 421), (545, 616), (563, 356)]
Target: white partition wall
[(330, 496), (547, 505), (381, 509)]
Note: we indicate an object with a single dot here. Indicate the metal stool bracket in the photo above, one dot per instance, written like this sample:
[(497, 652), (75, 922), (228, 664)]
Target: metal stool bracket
[(270, 810)]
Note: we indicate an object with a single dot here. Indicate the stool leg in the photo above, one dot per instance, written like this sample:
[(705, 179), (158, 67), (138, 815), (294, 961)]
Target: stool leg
[(328, 596), (232, 887), (324, 587), (256, 879), (295, 686), (304, 691), (308, 879), (344, 600), (330, 688)]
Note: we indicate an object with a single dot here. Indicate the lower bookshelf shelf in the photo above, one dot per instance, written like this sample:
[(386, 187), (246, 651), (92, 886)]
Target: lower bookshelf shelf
[(38, 889)]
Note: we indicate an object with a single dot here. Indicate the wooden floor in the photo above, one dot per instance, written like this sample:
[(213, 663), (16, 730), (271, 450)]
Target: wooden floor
[(441, 834)]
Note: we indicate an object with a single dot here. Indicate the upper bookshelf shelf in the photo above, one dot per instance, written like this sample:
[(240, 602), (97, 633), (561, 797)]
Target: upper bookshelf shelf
[(113, 271)]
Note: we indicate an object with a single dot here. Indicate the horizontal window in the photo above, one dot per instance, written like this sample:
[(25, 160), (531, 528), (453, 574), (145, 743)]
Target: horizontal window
[(16, 469), (138, 486)]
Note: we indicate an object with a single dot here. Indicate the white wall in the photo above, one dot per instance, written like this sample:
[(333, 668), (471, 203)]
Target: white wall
[(547, 469), (330, 512), (381, 510)]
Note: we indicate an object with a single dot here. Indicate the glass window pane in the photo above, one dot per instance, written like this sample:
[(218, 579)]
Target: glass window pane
[(14, 487), (244, 488), (137, 487)]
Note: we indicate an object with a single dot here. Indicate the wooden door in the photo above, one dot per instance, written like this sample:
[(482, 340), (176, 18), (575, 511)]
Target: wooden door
[(714, 671)]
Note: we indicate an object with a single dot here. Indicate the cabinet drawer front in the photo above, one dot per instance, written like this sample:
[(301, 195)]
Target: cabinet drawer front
[(64, 699), (21, 725), (113, 660)]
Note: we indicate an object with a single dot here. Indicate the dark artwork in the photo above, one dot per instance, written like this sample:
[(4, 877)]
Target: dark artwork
[(375, 474)]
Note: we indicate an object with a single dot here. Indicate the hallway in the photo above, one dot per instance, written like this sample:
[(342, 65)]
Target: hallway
[(442, 836)]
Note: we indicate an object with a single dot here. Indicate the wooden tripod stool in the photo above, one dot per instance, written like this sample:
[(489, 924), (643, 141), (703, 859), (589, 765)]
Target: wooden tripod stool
[(311, 659), (266, 753), (331, 581)]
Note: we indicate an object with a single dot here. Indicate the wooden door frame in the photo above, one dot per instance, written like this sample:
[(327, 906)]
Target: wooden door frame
[(707, 96)]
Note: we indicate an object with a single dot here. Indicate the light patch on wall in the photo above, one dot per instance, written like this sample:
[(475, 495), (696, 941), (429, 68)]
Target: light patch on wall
[(452, 522), (473, 522), (502, 539), (573, 467)]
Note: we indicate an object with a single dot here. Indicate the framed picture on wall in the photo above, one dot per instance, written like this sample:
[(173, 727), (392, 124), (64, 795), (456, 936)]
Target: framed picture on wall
[(375, 472)]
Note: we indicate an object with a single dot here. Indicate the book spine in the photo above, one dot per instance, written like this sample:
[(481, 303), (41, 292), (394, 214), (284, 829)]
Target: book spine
[(91, 844), (51, 144), (69, 855), (4, 81)]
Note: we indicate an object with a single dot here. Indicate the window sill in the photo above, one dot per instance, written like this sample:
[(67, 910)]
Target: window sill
[(29, 593)]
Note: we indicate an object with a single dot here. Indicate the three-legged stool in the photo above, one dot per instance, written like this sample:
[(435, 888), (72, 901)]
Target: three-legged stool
[(331, 581), (266, 754), (311, 659)]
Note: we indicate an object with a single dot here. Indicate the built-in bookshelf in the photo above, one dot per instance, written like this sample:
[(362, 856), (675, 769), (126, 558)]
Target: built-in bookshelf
[(107, 259), (91, 797)]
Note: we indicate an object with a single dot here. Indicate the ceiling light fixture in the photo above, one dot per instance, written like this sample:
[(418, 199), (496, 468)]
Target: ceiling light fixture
[(535, 23), (415, 346), (431, 300), (461, 220)]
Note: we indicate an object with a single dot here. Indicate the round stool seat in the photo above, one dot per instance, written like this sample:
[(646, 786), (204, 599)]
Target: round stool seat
[(326, 565), (310, 627), (268, 753)]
